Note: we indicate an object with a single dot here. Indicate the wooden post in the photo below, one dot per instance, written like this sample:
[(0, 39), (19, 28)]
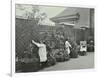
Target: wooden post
[(91, 21)]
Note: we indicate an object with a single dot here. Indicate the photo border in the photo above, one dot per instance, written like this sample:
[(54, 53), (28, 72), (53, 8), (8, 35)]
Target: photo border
[(13, 36)]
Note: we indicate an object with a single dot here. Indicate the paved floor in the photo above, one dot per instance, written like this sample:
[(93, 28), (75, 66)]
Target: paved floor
[(82, 62)]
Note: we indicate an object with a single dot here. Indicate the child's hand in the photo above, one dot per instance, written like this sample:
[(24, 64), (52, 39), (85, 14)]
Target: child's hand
[(33, 41)]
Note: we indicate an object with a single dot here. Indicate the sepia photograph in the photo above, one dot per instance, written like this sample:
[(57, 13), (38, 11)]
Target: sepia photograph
[(53, 38)]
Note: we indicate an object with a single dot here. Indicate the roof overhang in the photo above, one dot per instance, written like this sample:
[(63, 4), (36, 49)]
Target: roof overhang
[(65, 23)]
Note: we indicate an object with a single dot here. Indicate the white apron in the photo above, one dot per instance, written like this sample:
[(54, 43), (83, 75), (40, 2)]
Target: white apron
[(67, 45), (42, 53)]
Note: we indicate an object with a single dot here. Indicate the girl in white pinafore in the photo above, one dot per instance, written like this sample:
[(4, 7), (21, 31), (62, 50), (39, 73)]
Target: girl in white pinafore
[(67, 45), (42, 51)]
